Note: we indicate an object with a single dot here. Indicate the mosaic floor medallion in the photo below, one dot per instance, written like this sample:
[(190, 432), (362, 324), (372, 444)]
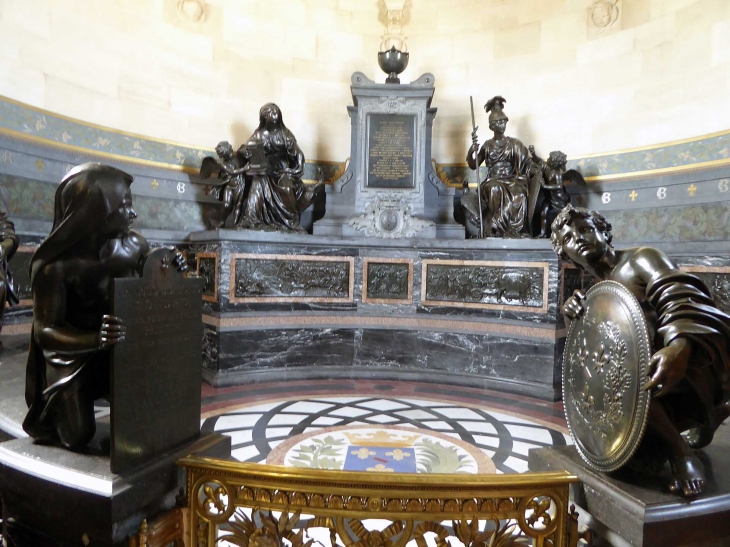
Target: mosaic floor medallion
[(393, 433), (381, 450)]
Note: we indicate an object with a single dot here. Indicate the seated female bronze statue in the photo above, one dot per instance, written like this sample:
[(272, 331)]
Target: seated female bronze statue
[(691, 341), (71, 280), (508, 193), (274, 169)]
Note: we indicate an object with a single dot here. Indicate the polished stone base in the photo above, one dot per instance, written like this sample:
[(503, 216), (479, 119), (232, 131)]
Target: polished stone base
[(626, 509), (486, 361), (295, 306), (74, 498)]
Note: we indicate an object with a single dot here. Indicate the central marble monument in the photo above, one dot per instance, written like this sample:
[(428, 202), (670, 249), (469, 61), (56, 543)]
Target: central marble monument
[(390, 188)]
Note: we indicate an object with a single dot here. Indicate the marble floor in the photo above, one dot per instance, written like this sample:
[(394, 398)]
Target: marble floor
[(365, 425), (382, 426)]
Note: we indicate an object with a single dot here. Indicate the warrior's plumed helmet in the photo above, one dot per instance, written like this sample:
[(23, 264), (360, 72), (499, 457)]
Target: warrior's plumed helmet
[(495, 107)]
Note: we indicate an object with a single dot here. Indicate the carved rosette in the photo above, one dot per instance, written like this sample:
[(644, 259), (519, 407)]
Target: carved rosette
[(388, 216)]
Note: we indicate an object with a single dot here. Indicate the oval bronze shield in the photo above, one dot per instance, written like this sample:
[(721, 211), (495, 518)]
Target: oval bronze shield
[(605, 364)]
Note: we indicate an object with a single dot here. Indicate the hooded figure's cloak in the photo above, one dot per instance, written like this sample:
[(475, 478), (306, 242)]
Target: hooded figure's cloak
[(84, 199)]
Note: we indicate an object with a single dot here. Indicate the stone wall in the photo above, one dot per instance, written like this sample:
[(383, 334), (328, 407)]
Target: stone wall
[(577, 77)]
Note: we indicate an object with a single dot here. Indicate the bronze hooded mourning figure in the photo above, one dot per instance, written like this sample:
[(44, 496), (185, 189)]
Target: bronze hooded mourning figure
[(689, 362), (509, 191), (71, 277)]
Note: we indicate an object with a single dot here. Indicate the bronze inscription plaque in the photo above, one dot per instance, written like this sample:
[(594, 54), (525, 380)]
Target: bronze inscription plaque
[(391, 151)]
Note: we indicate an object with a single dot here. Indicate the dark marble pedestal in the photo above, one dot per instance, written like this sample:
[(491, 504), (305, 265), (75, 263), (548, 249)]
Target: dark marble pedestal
[(626, 509), (282, 307), (56, 497)]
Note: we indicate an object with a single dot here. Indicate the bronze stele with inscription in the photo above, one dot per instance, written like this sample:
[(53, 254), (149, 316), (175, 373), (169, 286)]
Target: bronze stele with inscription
[(605, 366)]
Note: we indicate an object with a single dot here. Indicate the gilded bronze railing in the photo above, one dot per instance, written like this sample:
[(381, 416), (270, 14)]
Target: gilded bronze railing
[(253, 505)]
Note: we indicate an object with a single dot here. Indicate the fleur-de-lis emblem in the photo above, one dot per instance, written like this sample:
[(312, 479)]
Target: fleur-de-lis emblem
[(155, 184), (601, 358), (363, 453), (398, 454), (380, 467)]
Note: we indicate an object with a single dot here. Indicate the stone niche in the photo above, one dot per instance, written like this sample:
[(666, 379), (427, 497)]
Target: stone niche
[(390, 189)]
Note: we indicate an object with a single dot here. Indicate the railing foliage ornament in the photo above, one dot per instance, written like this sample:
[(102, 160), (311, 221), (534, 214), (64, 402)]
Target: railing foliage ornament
[(253, 505)]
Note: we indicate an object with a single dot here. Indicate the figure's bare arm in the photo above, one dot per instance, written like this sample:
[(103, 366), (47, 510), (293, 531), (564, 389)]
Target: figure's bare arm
[(535, 158), (52, 332), (474, 155), (232, 170), (137, 247), (669, 364)]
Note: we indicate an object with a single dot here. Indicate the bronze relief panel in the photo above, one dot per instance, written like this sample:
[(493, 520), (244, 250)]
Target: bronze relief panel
[(387, 280), (517, 286), (291, 278)]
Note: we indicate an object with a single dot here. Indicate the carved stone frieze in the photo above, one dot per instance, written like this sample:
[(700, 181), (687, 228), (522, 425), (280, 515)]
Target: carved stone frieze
[(462, 283), (388, 216), (291, 278), (394, 104)]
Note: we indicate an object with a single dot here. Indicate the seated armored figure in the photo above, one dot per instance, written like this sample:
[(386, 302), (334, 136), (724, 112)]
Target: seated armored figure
[(691, 342), (555, 196), (71, 281), (509, 193), (8, 245)]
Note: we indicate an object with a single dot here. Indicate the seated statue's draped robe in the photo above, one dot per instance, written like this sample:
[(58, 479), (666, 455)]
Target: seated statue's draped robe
[(505, 191), (273, 201), (505, 196), (685, 308)]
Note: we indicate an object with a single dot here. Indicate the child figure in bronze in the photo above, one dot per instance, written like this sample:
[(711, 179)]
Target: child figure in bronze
[(555, 196), (691, 341)]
